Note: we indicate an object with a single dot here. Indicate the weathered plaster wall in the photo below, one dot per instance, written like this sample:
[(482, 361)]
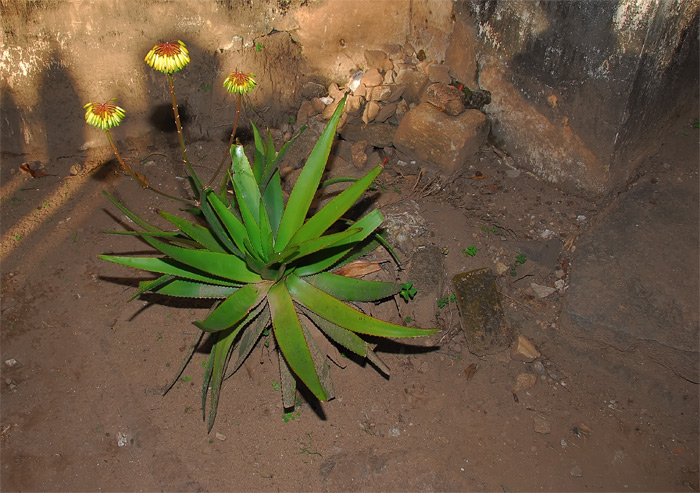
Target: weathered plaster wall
[(580, 88), (577, 86)]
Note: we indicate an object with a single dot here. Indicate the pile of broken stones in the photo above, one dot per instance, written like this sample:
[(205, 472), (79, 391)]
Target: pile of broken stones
[(400, 109)]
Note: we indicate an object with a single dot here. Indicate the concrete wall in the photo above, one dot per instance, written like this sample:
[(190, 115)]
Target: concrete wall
[(576, 86)]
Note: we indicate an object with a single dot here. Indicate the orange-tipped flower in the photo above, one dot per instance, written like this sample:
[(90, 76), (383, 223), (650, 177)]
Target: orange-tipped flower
[(104, 115), (239, 83), (168, 57)]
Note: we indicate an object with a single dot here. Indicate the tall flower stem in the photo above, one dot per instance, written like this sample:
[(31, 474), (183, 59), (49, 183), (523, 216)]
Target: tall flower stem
[(180, 137), (138, 176), (227, 154)]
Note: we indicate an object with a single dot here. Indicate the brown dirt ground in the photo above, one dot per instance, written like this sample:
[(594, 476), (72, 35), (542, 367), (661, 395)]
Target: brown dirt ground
[(90, 367)]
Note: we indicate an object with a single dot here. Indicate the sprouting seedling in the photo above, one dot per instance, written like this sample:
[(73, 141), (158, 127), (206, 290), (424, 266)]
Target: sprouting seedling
[(445, 300), (408, 292), (520, 259), (470, 250)]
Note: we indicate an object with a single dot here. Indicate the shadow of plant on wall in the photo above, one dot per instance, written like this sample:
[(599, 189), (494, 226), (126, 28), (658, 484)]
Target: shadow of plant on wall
[(262, 262)]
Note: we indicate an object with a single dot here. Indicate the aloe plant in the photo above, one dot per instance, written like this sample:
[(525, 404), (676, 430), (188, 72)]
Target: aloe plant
[(268, 266)]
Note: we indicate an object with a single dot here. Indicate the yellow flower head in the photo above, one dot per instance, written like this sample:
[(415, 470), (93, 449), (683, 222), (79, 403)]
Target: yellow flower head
[(239, 83), (104, 115), (168, 57)]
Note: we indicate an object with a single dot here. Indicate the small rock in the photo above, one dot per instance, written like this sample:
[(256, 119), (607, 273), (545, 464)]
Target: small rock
[(318, 105), (524, 381), (378, 60), (394, 432), (372, 78), (446, 97), (576, 471), (359, 154), (10, 362), (524, 350), (371, 111), (438, 73), (539, 367), (501, 268), (560, 285), (361, 90), (512, 173), (124, 439), (353, 104), (386, 112), (541, 425), (220, 436), (306, 111), (542, 291), (76, 169), (389, 77)]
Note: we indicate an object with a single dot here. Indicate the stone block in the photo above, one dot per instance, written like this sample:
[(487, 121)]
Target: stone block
[(428, 134), (483, 320), (446, 97)]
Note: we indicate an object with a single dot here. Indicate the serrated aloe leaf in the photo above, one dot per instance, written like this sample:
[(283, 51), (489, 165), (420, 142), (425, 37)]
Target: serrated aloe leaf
[(235, 308), (312, 246), (271, 167), (215, 263), (287, 382), (198, 233), (249, 338), (349, 340), (221, 348), (150, 285), (267, 238), (347, 317), (216, 224), (165, 266), (163, 234), (323, 369), (323, 261), (140, 222), (206, 380), (290, 338), (274, 201), (307, 183), (188, 289), (252, 239), (187, 359), (377, 361), (247, 188), (235, 229), (334, 209), (260, 152), (351, 289), (222, 352)]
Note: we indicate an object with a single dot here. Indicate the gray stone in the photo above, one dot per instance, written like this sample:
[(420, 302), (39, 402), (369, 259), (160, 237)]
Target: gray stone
[(438, 73), (415, 83), (386, 112), (447, 141)]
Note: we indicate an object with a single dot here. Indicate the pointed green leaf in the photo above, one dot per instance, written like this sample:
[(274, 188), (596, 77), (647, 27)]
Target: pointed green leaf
[(271, 167), (198, 233), (287, 382), (312, 246), (349, 340), (150, 285), (351, 289), (215, 222), (260, 153), (290, 338), (188, 289), (218, 264), (236, 231), (252, 239), (140, 222), (307, 183), (166, 266), (325, 260), (347, 317), (334, 209), (274, 201), (248, 339), (221, 350), (321, 365), (234, 308), (242, 176)]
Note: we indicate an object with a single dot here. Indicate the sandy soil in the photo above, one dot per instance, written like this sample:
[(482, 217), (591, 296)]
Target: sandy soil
[(83, 370)]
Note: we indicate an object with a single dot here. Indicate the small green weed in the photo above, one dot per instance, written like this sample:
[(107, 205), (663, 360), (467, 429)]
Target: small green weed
[(488, 230), (470, 251), (445, 300), (696, 123), (408, 320), (276, 386), (258, 47), (520, 258), (186, 379), (159, 337), (408, 292)]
